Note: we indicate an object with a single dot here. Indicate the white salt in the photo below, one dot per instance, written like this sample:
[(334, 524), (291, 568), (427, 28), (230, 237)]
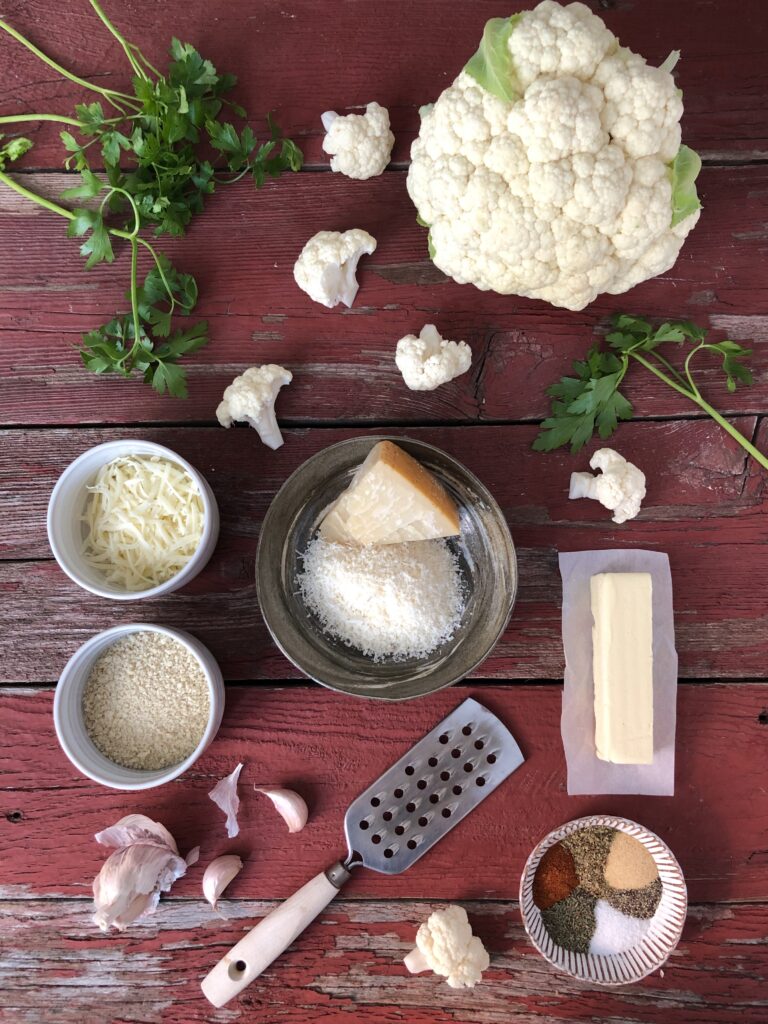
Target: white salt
[(616, 932), (391, 601)]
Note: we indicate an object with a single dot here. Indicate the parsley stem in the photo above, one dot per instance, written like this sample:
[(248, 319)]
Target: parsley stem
[(695, 397), (58, 118), (6, 179), (127, 47), (161, 272), (134, 298), (108, 94)]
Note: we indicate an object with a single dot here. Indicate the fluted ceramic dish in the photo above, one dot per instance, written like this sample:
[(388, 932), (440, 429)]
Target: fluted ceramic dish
[(486, 558), (652, 951)]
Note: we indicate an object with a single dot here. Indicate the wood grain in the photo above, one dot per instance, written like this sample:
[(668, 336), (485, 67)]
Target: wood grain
[(297, 61), (705, 507), (347, 969), (331, 747), (242, 252)]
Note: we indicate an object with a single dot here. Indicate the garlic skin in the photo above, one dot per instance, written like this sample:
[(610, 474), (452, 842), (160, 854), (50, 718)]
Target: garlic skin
[(289, 805), (218, 875), (145, 862), (224, 795)]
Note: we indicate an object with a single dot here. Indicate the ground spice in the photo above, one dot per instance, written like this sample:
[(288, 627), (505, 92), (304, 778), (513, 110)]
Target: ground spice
[(145, 702), (571, 922), (590, 848), (636, 902), (555, 877), (629, 864)]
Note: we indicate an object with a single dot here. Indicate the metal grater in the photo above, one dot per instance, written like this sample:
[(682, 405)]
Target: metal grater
[(430, 789), (393, 823)]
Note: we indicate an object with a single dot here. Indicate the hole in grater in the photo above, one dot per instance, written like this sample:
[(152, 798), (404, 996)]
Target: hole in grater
[(432, 762), (421, 784), (434, 798), (410, 807), (479, 744), (387, 815), (457, 790), (364, 825), (375, 801), (423, 822), (468, 767), (446, 812), (479, 781), (410, 770), (412, 844), (445, 776), (376, 839), (491, 759), (399, 829), (397, 794), (467, 730), (444, 738), (389, 852), (455, 752)]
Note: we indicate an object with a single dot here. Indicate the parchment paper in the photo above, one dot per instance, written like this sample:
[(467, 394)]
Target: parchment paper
[(586, 772)]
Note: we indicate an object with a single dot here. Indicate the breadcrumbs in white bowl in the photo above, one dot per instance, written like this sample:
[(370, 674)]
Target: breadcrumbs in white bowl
[(137, 705)]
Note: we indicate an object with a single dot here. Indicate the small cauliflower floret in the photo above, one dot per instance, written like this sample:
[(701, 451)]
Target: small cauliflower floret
[(250, 398), (327, 264), (428, 361), (445, 944), (359, 144), (620, 486)]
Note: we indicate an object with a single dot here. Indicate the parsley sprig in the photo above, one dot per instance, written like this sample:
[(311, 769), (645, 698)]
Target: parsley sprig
[(590, 401), (154, 144)]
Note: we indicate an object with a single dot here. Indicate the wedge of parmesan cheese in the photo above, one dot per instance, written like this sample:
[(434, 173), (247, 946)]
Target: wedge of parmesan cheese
[(391, 499), (622, 653)]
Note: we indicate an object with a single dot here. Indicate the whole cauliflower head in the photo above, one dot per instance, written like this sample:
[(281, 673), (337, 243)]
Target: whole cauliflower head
[(250, 398), (360, 145), (552, 167), (327, 265), (620, 486), (445, 944), (428, 361)]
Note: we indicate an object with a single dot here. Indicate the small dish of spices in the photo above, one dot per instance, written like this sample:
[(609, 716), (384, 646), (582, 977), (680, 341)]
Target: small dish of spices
[(603, 900), (137, 705)]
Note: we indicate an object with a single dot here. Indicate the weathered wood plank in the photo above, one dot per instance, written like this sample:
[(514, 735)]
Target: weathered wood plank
[(705, 507), (348, 969), (330, 747), (296, 59), (243, 252)]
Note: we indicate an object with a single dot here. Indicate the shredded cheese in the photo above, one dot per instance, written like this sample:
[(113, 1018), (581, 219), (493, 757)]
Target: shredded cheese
[(143, 521), (395, 601)]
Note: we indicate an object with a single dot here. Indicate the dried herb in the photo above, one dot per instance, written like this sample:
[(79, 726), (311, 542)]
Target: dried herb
[(571, 922)]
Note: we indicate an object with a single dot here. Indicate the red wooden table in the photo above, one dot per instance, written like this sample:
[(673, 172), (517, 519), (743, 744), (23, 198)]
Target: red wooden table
[(706, 507)]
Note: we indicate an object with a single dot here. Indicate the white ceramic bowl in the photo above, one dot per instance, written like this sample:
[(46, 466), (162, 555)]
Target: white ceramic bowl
[(68, 711), (666, 925), (67, 503)]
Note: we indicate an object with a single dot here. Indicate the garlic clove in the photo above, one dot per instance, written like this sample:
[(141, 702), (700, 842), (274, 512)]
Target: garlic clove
[(218, 875), (224, 795), (289, 804), (136, 828)]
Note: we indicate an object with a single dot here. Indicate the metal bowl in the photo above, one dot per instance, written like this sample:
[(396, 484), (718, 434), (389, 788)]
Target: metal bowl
[(486, 558)]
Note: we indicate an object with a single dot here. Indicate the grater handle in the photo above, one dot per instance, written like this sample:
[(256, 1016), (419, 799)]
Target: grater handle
[(271, 936)]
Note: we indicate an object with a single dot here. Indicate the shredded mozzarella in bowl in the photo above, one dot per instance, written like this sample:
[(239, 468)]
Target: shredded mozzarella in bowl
[(143, 521)]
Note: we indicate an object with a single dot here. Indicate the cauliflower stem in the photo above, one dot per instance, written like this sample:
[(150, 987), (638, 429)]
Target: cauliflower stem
[(591, 401)]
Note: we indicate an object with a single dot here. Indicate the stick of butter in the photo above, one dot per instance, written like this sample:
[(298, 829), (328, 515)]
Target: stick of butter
[(622, 663)]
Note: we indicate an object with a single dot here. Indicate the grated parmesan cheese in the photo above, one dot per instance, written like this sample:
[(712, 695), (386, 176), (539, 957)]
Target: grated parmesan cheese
[(396, 601), (143, 521)]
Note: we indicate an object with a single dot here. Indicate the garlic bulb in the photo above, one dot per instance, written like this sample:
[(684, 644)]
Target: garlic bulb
[(218, 875), (289, 805)]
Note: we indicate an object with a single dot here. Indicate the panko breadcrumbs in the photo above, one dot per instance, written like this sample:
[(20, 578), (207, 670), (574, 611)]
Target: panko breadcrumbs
[(146, 702)]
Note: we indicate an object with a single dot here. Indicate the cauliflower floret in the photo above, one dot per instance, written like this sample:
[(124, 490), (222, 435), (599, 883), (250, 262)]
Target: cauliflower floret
[(445, 944), (327, 264), (250, 398), (552, 177), (359, 144), (428, 361), (620, 486)]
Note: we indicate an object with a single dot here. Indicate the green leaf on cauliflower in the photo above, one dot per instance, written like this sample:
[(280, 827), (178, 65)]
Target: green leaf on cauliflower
[(684, 170), (492, 66)]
